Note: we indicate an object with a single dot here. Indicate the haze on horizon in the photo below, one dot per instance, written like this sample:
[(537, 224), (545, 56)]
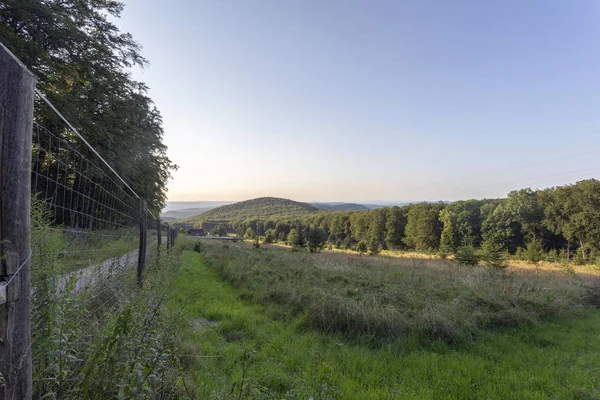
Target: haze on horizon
[(359, 101)]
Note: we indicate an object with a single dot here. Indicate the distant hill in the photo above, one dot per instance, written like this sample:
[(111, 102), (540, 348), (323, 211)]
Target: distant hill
[(174, 215), (263, 207), (178, 210), (340, 206)]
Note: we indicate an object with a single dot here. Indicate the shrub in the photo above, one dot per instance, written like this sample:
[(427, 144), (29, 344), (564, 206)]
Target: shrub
[(361, 247), (467, 255), (316, 239), (493, 254), (250, 234), (269, 236), (534, 252), (374, 246), (296, 239), (198, 247)]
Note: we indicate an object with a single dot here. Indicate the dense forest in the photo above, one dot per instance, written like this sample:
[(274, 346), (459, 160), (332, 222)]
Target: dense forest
[(559, 223), (82, 63)]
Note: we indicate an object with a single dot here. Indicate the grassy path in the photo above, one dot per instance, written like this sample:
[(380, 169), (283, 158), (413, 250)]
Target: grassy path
[(242, 350)]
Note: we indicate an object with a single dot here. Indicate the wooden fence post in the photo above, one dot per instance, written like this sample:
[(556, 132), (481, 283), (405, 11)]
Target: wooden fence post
[(17, 88), (158, 233), (143, 241), (168, 237)]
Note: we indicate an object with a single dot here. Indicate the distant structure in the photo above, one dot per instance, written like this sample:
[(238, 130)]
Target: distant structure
[(197, 232)]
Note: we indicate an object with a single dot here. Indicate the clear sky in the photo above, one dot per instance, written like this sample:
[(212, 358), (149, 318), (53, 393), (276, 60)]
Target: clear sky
[(372, 100)]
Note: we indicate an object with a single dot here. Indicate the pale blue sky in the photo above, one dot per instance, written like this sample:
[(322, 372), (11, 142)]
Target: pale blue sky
[(372, 100)]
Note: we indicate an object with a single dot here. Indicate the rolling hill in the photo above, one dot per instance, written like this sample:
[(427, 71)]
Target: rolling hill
[(263, 207)]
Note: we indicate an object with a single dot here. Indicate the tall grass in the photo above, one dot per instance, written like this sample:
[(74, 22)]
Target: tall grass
[(382, 298), (112, 340)]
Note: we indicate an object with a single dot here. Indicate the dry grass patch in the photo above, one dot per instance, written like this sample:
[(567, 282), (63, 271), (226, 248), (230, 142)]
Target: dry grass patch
[(383, 298)]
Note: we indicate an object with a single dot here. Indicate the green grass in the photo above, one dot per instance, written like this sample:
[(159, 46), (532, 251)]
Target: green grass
[(242, 349)]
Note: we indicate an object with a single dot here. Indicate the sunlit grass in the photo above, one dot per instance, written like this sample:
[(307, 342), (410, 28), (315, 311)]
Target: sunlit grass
[(244, 349)]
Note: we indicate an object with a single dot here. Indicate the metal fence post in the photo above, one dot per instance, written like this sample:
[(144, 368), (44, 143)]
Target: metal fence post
[(17, 87), (143, 241)]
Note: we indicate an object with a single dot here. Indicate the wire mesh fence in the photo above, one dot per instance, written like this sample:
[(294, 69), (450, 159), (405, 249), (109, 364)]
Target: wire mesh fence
[(90, 215), (70, 227)]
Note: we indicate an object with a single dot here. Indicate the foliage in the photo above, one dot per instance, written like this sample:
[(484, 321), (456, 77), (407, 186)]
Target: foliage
[(82, 63), (534, 251), (374, 247), (219, 230), (315, 239), (296, 239), (250, 234), (467, 255), (361, 247), (270, 236), (564, 219), (493, 254), (263, 207), (423, 227), (110, 339)]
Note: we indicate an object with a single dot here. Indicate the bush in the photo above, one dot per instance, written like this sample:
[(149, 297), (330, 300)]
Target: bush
[(250, 234), (534, 252), (269, 236), (492, 253), (374, 246), (219, 231), (361, 247), (296, 239), (467, 255), (316, 239), (198, 247)]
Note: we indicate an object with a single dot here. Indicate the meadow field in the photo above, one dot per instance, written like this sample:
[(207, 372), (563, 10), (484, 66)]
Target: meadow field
[(271, 323)]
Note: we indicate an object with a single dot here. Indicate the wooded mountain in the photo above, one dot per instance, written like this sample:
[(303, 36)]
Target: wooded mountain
[(262, 207)]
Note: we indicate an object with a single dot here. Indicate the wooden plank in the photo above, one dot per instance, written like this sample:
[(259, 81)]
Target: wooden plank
[(17, 87)]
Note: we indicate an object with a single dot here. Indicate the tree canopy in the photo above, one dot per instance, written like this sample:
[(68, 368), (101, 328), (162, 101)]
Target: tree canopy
[(563, 220), (83, 64)]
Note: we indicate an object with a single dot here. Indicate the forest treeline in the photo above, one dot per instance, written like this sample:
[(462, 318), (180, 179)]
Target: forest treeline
[(559, 223), (83, 63)]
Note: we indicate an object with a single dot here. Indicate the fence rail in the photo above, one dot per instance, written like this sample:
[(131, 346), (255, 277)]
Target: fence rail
[(81, 205)]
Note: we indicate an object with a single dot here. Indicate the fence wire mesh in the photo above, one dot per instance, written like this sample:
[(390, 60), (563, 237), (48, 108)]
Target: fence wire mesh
[(86, 213)]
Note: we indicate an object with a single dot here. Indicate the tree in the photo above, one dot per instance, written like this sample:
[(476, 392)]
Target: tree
[(492, 253), (423, 227), (339, 228), (250, 234), (572, 211), (374, 246), (534, 252), (516, 219), (466, 255), (219, 231), (361, 247), (82, 62), (296, 239), (394, 226), (270, 236), (462, 224), (316, 239)]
